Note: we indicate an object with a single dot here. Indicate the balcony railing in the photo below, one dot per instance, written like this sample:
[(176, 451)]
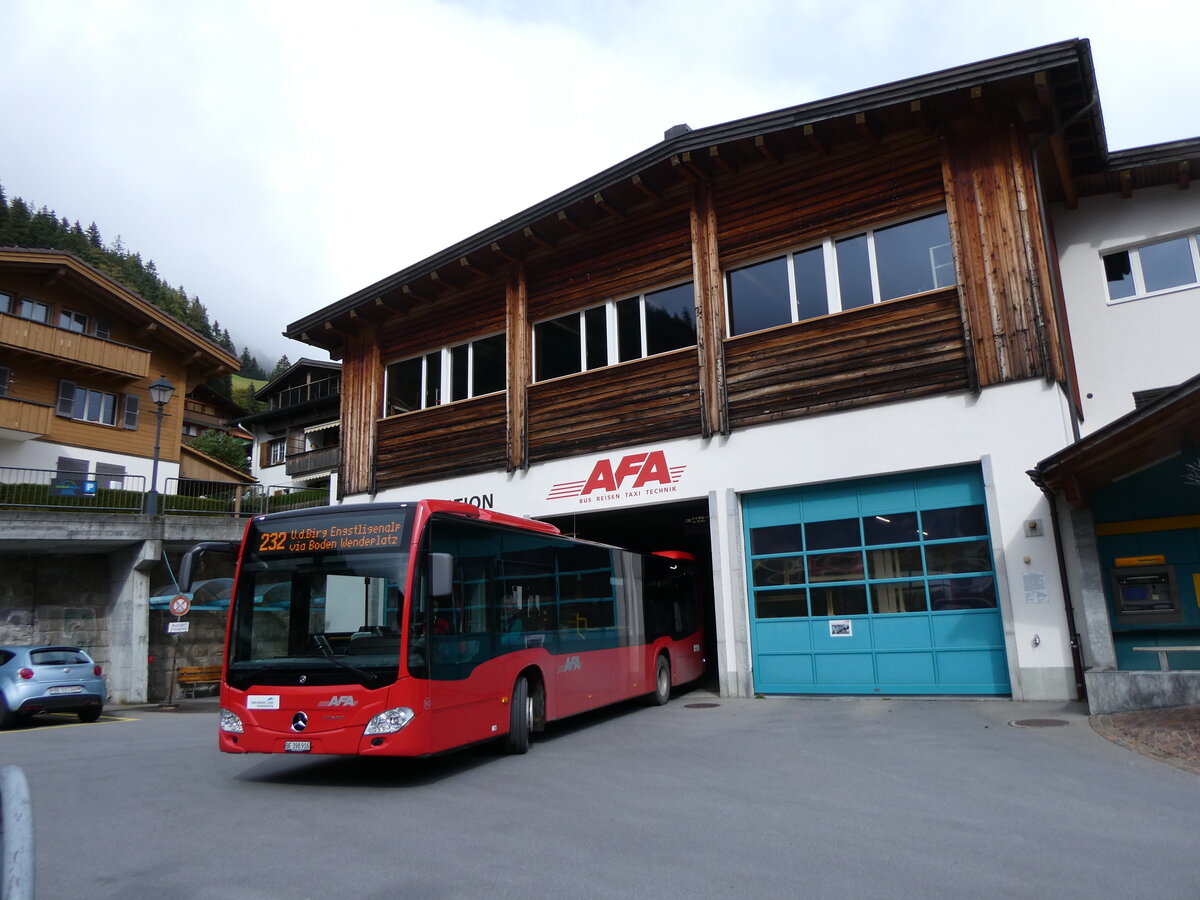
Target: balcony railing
[(307, 393), (25, 416), (95, 353), (325, 459), (82, 492)]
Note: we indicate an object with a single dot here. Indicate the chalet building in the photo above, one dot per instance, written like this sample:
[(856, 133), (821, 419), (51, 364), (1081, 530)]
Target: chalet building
[(296, 439), (820, 348), (78, 352)]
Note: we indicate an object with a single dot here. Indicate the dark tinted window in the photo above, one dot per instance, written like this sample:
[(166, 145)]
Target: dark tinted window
[(759, 296)]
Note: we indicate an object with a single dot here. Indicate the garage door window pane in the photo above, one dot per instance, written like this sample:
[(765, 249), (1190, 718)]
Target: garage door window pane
[(781, 570), (964, 556), (959, 521), (835, 533), (898, 597), (894, 528), (842, 600), (963, 593), (776, 539), (780, 604), (897, 562), (835, 567)]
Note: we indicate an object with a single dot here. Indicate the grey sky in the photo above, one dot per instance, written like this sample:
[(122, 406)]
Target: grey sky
[(273, 157)]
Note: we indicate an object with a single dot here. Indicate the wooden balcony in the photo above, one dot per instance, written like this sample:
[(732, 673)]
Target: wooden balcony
[(22, 420), (325, 459), (48, 342)]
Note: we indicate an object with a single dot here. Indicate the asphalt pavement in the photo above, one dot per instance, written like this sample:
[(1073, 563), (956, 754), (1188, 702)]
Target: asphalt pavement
[(706, 797)]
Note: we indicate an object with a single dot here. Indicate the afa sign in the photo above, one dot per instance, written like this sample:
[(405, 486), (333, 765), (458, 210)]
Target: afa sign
[(630, 476)]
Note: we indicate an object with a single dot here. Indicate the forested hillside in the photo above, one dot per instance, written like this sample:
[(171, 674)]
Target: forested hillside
[(23, 226)]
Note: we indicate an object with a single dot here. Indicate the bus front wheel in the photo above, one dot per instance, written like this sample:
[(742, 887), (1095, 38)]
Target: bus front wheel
[(662, 681), (520, 718)]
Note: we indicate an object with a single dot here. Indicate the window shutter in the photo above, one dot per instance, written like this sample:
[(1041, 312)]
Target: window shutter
[(132, 407), (66, 399), (264, 454)]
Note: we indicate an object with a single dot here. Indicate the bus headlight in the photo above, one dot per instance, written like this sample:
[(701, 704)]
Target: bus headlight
[(231, 723), (389, 721)]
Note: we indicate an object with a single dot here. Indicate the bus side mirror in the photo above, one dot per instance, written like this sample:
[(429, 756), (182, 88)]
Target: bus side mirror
[(209, 557), (441, 574)]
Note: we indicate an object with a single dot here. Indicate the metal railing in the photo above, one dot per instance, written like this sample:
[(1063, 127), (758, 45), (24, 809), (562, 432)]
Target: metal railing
[(51, 488), (82, 492), (307, 393)]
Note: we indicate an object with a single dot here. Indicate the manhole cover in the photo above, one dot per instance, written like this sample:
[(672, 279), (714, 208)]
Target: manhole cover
[(1038, 723), (700, 705)]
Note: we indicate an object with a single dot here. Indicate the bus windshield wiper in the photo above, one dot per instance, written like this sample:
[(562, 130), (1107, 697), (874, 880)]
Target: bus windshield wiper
[(327, 651)]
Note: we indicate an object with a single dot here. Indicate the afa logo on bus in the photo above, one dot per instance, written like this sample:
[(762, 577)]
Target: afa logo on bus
[(634, 473)]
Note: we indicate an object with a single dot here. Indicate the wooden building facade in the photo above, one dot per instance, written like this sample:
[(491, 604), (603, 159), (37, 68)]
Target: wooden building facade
[(857, 292)]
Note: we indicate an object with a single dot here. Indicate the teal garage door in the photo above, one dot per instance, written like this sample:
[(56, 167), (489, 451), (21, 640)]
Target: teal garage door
[(883, 585)]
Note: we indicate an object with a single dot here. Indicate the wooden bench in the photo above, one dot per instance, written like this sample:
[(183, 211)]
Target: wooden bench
[(189, 678), (1163, 651)]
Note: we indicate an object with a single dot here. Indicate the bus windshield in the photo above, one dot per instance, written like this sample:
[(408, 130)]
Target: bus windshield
[(318, 610)]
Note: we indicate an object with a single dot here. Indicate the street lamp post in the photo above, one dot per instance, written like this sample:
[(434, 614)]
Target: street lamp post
[(160, 395)]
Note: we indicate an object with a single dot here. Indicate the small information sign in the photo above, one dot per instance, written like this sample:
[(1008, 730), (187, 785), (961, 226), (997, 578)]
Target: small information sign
[(177, 627)]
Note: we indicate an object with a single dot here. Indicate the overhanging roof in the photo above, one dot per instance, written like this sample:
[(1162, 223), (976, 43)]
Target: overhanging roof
[(1068, 89), (1144, 437)]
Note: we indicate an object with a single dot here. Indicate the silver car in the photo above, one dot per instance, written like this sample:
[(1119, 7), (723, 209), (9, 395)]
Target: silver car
[(49, 679)]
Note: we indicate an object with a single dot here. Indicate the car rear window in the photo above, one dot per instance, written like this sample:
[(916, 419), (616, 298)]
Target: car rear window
[(57, 656), (5, 656)]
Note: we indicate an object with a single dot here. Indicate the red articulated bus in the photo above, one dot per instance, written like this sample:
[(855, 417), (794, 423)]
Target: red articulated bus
[(410, 629)]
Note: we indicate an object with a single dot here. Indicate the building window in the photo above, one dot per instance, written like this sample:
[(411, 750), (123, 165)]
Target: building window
[(72, 321), (5, 302), (461, 372), (616, 331), (1152, 268), (86, 405), (880, 264), (34, 309), (277, 452), (5, 378)]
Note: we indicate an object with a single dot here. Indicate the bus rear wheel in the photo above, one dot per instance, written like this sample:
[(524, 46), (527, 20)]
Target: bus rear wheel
[(520, 718), (662, 681)]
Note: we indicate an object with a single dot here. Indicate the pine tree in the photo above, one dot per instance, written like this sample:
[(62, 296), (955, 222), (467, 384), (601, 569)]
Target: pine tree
[(280, 367)]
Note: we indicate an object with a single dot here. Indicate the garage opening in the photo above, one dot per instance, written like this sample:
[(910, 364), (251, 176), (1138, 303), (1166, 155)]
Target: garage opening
[(668, 526)]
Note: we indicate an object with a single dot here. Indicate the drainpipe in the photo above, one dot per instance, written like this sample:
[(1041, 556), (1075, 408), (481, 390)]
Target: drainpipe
[(1068, 606)]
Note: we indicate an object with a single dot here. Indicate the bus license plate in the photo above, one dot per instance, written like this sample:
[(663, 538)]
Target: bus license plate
[(297, 746)]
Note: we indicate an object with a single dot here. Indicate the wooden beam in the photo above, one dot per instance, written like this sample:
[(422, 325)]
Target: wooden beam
[(439, 279), (408, 292), (465, 265), (368, 312), (710, 311), (1185, 175), (534, 237), (519, 338), (763, 146), (686, 166), (919, 113), (605, 205), (567, 222), (723, 162), (1062, 163), (978, 103), (504, 254), (865, 129), (1041, 83), (814, 141), (1126, 183), (640, 184)]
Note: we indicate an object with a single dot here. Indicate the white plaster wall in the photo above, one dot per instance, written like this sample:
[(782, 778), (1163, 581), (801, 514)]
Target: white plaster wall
[(44, 455), (1131, 345), (1006, 428)]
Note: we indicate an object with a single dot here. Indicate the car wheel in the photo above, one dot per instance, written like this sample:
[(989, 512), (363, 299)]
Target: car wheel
[(662, 681), (520, 718), (91, 714)]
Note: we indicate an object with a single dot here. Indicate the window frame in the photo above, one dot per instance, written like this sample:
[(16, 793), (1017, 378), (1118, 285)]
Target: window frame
[(611, 331), (1137, 272), (443, 391), (835, 299), (74, 401)]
